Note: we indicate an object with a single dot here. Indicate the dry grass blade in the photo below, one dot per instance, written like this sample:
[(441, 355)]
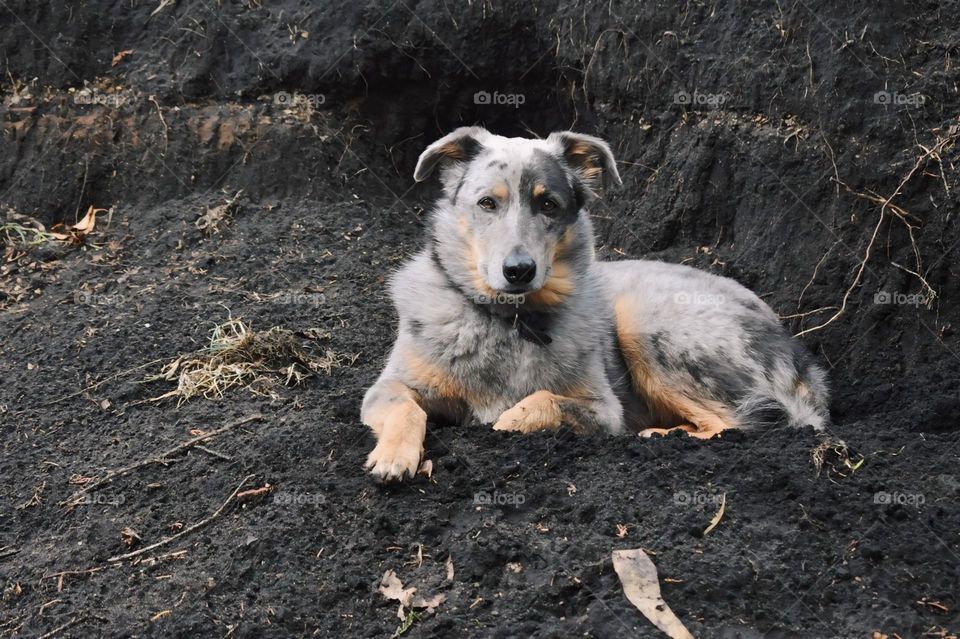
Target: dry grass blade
[(716, 518)]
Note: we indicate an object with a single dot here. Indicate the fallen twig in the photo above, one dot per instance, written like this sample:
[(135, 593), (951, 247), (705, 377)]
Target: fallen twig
[(164, 458), (185, 531), (56, 632)]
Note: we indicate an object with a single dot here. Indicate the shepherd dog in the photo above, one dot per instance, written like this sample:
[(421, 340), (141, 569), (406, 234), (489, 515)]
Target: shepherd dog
[(507, 318)]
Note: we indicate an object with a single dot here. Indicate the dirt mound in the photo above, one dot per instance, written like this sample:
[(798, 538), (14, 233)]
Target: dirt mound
[(808, 151)]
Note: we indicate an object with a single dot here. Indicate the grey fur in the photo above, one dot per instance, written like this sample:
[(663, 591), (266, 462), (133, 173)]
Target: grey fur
[(469, 328)]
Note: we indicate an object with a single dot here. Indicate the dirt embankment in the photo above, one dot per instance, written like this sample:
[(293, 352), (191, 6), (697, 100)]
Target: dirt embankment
[(807, 150)]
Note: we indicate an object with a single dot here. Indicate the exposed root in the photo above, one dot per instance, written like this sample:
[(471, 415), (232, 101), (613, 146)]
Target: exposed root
[(844, 462), (887, 205)]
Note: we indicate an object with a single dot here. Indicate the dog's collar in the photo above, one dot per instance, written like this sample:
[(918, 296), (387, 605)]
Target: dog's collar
[(530, 325)]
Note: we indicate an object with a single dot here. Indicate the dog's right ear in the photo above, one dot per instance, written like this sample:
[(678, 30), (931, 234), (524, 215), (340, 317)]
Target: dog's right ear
[(459, 146)]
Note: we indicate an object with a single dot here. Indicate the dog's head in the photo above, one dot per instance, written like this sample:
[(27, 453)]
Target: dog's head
[(511, 206)]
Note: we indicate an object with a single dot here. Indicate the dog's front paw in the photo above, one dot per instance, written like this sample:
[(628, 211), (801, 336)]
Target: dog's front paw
[(538, 411), (391, 461)]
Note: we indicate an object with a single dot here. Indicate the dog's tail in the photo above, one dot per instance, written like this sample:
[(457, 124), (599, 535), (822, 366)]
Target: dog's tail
[(798, 395)]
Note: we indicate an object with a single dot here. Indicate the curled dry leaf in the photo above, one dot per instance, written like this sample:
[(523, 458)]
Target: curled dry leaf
[(638, 575), (79, 231), (129, 535), (120, 56)]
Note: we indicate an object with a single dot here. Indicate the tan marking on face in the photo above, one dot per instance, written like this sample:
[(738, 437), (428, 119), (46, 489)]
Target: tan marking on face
[(672, 401), (470, 253), (538, 190), (556, 289), (500, 191), (560, 283), (802, 389)]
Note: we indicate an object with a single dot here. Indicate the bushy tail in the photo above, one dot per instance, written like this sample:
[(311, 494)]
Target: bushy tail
[(800, 397)]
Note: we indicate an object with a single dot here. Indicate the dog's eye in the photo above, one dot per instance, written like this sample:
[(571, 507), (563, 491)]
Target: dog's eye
[(487, 203), (548, 205)]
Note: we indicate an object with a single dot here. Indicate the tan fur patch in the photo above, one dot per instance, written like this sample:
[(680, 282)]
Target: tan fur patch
[(672, 402), (402, 397), (399, 440), (470, 259), (500, 191), (431, 377), (538, 190), (582, 151), (453, 150), (557, 287), (560, 283), (538, 411), (437, 382)]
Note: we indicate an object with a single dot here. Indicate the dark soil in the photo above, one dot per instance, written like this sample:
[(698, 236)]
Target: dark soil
[(780, 185)]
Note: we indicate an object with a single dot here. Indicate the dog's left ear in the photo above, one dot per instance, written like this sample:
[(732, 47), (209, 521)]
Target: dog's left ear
[(589, 157), (459, 146)]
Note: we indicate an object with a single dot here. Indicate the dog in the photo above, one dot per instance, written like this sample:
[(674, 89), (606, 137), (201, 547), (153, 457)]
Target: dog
[(507, 318)]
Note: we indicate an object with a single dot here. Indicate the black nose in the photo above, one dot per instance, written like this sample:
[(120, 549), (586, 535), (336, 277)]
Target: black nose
[(519, 268)]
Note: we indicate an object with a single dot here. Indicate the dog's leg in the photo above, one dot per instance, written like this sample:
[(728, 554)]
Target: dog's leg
[(392, 409), (544, 410)]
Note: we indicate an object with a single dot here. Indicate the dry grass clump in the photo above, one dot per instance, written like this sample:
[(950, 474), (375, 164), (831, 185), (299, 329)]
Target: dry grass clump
[(238, 357)]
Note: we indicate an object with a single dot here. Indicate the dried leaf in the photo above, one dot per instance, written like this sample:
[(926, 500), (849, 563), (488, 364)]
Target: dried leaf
[(120, 56), (129, 536), (253, 492), (85, 226), (392, 588), (718, 516), (638, 576), (430, 604), (80, 230), (450, 572)]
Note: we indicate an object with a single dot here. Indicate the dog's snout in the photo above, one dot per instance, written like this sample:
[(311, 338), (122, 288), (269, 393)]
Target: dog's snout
[(519, 268)]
